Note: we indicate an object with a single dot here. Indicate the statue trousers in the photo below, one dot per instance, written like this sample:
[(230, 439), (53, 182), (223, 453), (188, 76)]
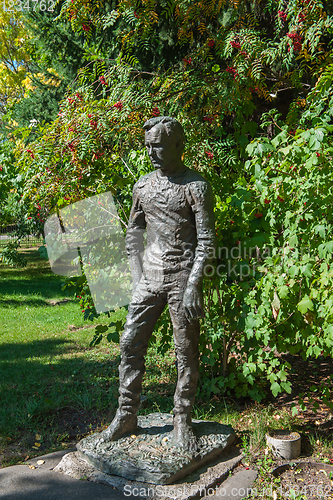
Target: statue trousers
[(147, 305)]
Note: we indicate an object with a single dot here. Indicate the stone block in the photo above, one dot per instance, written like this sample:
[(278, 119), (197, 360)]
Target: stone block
[(149, 456)]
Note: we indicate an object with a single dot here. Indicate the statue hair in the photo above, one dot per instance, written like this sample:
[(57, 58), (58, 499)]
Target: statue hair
[(170, 125)]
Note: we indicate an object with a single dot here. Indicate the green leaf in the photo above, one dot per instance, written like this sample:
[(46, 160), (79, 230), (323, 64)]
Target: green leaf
[(275, 388), (305, 305), (307, 270), (282, 375), (293, 271), (250, 321), (101, 328), (283, 291), (321, 230), (113, 337), (96, 340), (286, 386)]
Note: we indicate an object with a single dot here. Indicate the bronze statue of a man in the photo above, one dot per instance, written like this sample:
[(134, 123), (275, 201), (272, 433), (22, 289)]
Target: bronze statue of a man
[(174, 205)]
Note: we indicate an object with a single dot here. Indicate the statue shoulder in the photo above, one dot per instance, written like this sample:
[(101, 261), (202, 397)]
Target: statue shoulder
[(196, 182), (143, 181)]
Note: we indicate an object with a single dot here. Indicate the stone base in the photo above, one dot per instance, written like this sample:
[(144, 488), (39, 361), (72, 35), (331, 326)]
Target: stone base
[(200, 483), (149, 456)]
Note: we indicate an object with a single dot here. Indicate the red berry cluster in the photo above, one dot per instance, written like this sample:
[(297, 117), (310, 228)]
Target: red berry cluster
[(235, 45), (71, 146), (209, 154), (280, 198), (93, 123), (211, 43), (258, 215), (40, 217), (188, 61), (85, 27), (119, 105), (98, 154), (155, 111), (282, 15), (31, 153), (209, 119), (102, 80), (296, 40), (232, 71), (301, 17)]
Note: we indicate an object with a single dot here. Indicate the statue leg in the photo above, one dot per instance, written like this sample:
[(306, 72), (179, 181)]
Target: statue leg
[(143, 312), (186, 339)]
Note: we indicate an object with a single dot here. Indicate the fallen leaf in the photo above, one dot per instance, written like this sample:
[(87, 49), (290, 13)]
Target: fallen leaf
[(275, 306), (133, 436), (38, 445), (38, 437), (32, 467), (40, 462)]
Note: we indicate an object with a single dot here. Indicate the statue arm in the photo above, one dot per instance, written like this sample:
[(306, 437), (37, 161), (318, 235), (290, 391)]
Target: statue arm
[(203, 208), (135, 237)]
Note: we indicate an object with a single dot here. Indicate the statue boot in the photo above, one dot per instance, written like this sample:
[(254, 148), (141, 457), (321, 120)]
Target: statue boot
[(183, 436), (123, 424)]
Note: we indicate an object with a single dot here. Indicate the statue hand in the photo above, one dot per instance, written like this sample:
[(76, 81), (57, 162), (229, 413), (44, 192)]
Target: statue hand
[(192, 302)]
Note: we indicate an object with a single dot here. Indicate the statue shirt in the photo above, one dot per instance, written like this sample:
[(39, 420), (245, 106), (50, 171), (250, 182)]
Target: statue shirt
[(177, 213)]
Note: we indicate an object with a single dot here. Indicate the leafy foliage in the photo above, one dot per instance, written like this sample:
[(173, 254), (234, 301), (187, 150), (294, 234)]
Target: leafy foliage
[(251, 83), (14, 58)]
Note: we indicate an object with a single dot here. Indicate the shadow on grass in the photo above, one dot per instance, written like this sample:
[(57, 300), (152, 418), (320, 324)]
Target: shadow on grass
[(33, 302), (35, 279), (42, 377), (10, 353)]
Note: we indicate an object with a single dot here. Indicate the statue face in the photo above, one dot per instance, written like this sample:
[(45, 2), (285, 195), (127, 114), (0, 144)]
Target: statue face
[(164, 151)]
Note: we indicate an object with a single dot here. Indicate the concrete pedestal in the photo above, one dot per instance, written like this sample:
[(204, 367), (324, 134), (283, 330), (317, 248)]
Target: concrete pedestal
[(149, 456)]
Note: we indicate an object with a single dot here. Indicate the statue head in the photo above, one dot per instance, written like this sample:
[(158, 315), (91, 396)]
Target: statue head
[(165, 142)]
